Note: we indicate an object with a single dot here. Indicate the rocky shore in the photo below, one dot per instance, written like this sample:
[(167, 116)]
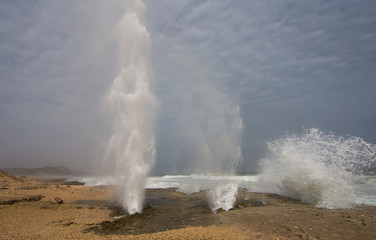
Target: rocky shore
[(35, 209)]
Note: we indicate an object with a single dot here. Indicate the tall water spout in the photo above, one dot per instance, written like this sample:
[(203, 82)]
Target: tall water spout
[(131, 148)]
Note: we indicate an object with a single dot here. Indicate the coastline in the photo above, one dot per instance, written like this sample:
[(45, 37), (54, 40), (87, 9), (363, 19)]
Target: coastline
[(84, 213)]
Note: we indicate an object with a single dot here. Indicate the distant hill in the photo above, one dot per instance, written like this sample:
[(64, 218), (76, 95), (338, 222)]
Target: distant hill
[(4, 176), (58, 171)]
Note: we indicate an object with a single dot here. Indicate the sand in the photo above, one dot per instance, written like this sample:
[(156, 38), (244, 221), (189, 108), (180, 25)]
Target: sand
[(35, 209)]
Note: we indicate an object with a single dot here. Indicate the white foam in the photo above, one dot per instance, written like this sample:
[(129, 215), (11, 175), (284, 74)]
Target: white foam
[(364, 187), (189, 188), (198, 182), (222, 197), (316, 168)]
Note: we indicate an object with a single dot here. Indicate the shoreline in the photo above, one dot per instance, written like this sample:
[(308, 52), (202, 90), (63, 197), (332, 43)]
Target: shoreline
[(90, 212)]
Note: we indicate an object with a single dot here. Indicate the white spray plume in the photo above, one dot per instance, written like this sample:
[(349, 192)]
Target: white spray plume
[(210, 137), (222, 197), (131, 148), (316, 168)]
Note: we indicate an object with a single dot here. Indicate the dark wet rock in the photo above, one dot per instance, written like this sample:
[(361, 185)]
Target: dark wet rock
[(33, 198), (117, 211), (9, 202), (163, 210), (243, 203), (166, 209), (101, 204), (59, 181), (77, 183), (26, 199)]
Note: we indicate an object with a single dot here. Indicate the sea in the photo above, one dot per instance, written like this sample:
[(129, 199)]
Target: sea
[(363, 187)]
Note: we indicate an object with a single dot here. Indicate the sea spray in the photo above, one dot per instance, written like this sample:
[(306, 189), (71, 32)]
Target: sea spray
[(222, 196), (217, 128), (316, 168), (131, 148)]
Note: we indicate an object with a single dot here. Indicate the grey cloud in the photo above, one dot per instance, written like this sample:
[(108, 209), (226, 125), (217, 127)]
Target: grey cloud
[(285, 63), (58, 59)]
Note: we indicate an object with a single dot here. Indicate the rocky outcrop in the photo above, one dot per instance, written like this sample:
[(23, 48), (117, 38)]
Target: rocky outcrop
[(5, 176), (25, 199)]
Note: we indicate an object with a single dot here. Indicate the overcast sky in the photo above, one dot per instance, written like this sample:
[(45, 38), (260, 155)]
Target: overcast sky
[(285, 64)]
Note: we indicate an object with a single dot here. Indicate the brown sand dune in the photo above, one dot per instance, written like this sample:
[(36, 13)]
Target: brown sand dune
[(53, 211)]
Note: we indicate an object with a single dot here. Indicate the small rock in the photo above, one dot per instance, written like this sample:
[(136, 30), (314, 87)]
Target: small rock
[(58, 200), (68, 224), (363, 222)]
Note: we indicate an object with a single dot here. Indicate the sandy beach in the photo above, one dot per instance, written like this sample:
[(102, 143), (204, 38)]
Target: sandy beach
[(40, 209)]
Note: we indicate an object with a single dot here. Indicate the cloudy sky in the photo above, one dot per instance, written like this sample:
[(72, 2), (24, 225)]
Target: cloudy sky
[(285, 64)]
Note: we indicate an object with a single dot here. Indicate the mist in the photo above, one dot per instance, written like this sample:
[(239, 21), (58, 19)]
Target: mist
[(201, 131)]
